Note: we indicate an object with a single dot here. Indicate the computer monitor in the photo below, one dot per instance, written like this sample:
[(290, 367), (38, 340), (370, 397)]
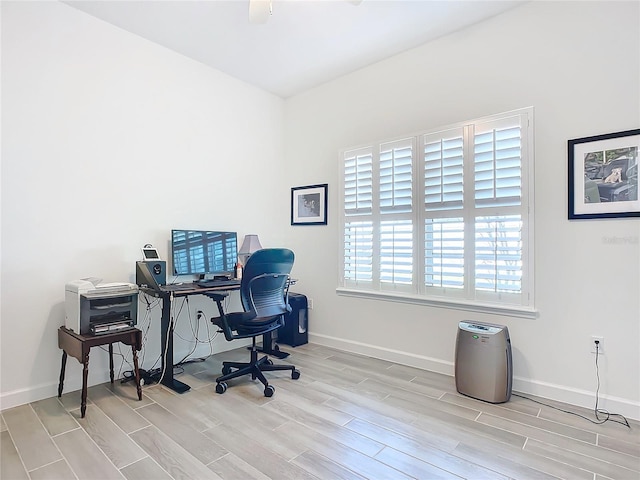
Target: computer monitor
[(204, 253)]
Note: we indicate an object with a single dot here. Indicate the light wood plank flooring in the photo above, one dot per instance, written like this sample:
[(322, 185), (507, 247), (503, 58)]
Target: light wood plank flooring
[(348, 417)]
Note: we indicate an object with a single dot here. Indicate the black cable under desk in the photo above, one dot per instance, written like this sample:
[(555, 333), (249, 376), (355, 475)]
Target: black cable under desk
[(167, 293)]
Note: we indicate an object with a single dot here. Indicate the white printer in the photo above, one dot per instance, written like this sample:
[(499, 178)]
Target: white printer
[(94, 308)]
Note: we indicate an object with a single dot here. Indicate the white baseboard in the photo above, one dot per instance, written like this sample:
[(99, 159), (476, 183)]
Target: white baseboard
[(73, 380), (581, 398), (40, 392), (559, 393), (412, 360)]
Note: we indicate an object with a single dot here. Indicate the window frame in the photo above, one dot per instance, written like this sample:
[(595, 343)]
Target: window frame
[(417, 292)]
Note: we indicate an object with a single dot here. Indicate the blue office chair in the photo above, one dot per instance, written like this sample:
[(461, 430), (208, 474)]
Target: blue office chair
[(264, 293)]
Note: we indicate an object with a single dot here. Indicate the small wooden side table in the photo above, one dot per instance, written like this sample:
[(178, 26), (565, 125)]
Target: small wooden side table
[(78, 346)]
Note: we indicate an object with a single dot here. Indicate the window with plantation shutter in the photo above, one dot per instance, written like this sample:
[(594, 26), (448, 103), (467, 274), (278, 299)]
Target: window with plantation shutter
[(444, 217)]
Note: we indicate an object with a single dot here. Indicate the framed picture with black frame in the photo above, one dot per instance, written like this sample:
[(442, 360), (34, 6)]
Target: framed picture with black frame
[(603, 176), (309, 205)]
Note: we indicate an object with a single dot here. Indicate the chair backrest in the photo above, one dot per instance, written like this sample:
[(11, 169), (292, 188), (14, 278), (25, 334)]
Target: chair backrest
[(265, 281)]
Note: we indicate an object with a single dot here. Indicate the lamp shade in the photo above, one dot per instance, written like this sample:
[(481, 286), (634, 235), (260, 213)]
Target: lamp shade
[(250, 244)]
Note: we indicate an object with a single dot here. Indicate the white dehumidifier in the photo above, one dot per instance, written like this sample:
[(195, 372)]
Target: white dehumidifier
[(484, 367)]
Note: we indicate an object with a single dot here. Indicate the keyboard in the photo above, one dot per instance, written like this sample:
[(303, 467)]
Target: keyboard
[(208, 283)]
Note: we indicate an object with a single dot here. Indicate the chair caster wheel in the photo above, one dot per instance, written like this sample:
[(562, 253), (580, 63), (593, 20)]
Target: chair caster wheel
[(269, 391), (221, 388), (268, 361), (295, 374), (226, 370)]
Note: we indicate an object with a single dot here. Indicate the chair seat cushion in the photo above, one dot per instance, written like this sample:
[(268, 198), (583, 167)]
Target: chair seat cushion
[(248, 324)]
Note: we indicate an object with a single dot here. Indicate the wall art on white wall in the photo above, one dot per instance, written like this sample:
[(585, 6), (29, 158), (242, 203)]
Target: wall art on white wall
[(603, 176), (309, 205)]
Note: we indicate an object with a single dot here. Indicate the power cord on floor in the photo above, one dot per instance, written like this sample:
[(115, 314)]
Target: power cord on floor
[(608, 417), (147, 377)]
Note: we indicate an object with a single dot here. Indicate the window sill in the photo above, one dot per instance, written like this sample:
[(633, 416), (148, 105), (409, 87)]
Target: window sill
[(469, 306)]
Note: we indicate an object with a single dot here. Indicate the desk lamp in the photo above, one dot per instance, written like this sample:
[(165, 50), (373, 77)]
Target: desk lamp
[(250, 244)]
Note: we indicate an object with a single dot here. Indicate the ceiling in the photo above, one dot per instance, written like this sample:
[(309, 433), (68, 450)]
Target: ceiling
[(303, 44)]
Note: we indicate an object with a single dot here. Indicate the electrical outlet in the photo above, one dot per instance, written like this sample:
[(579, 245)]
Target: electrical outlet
[(600, 341), (200, 314), (310, 303)]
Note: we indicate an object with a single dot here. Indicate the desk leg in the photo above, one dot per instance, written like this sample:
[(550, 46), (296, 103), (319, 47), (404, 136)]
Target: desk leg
[(111, 361), (166, 339), (85, 375), (136, 371), (62, 369)]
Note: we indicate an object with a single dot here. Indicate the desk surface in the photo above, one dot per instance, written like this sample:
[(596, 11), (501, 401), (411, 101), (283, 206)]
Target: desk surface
[(180, 289)]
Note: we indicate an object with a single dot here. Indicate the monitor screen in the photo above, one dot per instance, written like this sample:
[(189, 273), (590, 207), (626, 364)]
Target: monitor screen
[(199, 252)]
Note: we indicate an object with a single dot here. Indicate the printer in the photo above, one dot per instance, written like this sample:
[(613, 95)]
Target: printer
[(94, 308)]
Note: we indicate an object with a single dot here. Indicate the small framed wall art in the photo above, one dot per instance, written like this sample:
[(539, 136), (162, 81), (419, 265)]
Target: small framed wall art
[(603, 176), (309, 205)]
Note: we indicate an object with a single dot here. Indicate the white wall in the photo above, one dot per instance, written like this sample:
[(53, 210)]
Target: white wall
[(578, 65), (108, 142)]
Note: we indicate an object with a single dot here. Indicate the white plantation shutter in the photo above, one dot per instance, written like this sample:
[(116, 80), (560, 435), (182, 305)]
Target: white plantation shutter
[(396, 161), (498, 254), (358, 248), (498, 163), (443, 170), (358, 181), (443, 162), (396, 252), (447, 213), (395, 208), (498, 149), (358, 207), (444, 252)]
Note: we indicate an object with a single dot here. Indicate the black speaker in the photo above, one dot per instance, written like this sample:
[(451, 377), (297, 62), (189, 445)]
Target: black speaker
[(152, 274), (296, 323)]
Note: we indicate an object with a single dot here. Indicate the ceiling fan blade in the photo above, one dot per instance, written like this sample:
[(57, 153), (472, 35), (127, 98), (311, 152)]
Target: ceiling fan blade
[(259, 11)]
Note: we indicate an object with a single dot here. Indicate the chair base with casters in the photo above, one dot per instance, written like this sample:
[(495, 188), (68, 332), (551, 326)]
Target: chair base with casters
[(254, 367)]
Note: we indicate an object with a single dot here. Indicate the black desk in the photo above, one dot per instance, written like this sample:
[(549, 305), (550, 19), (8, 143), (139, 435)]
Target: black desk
[(167, 294)]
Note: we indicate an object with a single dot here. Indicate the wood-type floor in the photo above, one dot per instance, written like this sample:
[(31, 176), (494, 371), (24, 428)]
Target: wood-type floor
[(348, 417)]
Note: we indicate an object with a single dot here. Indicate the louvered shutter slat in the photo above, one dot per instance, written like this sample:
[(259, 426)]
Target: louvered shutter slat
[(444, 253), (358, 182), (358, 251), (396, 252), (443, 170), (396, 177), (497, 164)]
